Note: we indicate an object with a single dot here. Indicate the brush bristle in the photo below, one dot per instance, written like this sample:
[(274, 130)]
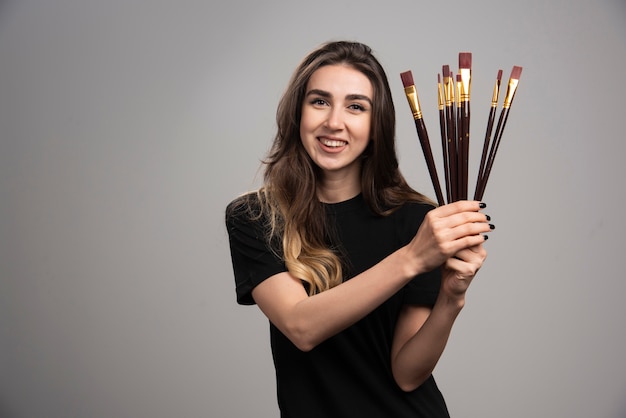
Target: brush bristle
[(446, 71), (499, 77), (465, 60), (516, 72), (458, 78), (407, 79), (438, 78)]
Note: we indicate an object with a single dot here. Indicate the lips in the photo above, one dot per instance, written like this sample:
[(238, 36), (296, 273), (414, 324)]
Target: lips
[(332, 143)]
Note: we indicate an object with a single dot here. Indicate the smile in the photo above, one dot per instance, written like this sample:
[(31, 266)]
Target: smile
[(333, 143)]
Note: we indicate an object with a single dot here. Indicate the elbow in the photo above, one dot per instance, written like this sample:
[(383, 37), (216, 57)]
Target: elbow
[(300, 337), (304, 346), (406, 387), (410, 386), (409, 383)]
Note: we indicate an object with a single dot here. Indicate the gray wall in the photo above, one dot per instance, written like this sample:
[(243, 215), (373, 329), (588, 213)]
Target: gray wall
[(127, 126)]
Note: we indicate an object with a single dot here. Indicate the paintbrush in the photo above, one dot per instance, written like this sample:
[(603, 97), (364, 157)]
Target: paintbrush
[(489, 130), (460, 138), (448, 90), (411, 94), (465, 75), (504, 115), (444, 137)]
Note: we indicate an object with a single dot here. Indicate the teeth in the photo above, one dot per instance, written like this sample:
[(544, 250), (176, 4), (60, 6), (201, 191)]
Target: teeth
[(332, 143)]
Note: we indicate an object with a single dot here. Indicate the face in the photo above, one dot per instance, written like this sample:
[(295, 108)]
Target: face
[(336, 120)]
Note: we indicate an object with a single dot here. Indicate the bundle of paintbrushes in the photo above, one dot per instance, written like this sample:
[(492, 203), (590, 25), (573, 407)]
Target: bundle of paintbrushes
[(454, 124)]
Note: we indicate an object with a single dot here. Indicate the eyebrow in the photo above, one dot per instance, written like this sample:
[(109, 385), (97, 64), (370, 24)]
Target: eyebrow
[(325, 94)]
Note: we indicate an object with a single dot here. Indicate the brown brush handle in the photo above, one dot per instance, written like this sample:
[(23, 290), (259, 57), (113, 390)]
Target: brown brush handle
[(460, 145), (463, 145), (428, 156), (466, 145), (452, 150), (487, 143), (504, 115), (444, 151)]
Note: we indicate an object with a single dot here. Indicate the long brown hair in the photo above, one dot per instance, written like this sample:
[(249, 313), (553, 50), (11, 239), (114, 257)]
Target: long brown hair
[(288, 197)]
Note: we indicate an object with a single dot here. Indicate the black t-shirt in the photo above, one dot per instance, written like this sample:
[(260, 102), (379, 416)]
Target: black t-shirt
[(348, 375)]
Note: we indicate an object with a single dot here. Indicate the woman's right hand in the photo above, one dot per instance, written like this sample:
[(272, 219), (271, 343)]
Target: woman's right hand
[(447, 230)]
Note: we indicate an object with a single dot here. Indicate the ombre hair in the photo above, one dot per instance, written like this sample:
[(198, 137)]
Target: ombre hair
[(288, 198)]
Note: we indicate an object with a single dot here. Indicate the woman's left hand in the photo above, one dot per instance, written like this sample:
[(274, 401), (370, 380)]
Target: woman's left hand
[(459, 271)]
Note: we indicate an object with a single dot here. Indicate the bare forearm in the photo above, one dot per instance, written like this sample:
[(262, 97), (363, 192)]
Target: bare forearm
[(416, 359), (307, 321), (314, 319)]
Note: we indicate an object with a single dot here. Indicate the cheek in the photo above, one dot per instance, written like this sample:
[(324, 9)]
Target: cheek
[(307, 124), (366, 128)]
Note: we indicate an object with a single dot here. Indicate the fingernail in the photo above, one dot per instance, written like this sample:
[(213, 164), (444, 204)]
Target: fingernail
[(482, 205), (492, 226), (488, 217), (486, 237)]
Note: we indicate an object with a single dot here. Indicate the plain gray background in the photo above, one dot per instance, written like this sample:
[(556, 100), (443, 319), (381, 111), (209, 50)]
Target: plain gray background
[(127, 126)]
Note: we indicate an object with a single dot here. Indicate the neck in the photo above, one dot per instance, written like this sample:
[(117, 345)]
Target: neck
[(338, 189)]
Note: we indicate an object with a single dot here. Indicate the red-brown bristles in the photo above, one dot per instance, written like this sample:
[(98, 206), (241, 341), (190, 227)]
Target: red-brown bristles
[(516, 73), (465, 60), (499, 77), (407, 79), (446, 71)]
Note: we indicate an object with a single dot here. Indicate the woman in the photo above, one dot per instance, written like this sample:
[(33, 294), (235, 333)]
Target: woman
[(359, 275)]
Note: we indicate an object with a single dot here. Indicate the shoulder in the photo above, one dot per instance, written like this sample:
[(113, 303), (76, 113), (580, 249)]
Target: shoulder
[(245, 209), (245, 203), (245, 218)]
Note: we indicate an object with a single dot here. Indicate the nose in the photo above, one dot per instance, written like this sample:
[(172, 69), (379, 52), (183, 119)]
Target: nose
[(334, 120)]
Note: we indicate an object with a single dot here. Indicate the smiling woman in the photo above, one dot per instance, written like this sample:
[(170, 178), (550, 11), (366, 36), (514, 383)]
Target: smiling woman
[(360, 276), (335, 128)]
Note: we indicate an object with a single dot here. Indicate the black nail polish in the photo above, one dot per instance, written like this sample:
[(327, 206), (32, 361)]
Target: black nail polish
[(482, 205), (488, 218), (492, 226), (486, 237)]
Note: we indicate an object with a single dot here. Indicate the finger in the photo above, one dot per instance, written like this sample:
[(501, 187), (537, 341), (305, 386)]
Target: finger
[(465, 265), (466, 241), (472, 254), (459, 206), (461, 271), (470, 228), (464, 218), (451, 217), (479, 249)]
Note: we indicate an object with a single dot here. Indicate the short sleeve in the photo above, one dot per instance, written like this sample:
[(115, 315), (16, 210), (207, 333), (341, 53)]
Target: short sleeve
[(253, 260)]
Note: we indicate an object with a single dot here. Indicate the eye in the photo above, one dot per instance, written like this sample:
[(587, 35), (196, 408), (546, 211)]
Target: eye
[(319, 102), (357, 107)]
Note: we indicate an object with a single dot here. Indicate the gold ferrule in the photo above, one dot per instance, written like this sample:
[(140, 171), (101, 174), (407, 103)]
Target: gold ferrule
[(414, 102), (448, 90), (496, 94), (459, 93), (440, 98), (466, 79), (510, 92)]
